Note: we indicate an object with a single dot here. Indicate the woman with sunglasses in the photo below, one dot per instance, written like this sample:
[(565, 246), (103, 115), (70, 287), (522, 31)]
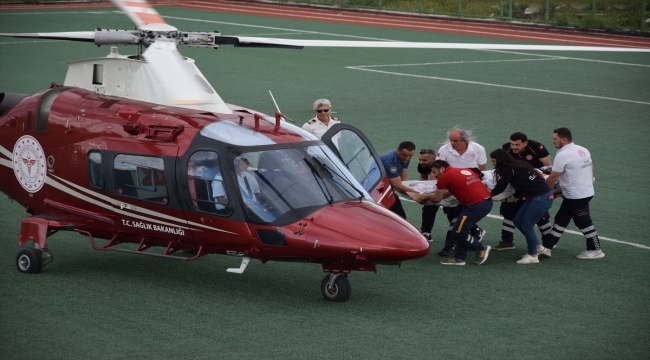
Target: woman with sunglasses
[(531, 188), (323, 120)]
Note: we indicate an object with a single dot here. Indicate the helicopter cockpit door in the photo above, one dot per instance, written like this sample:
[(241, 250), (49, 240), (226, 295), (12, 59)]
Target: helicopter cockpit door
[(357, 153)]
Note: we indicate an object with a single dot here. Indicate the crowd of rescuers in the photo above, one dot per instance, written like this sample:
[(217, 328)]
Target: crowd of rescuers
[(459, 166)]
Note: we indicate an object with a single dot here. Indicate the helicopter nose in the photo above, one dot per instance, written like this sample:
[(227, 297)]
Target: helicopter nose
[(364, 231)]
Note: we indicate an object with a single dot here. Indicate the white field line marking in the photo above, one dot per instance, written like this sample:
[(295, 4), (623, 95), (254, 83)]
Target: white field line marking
[(579, 233), (457, 62), (566, 231), (568, 58), (271, 34), (414, 24), (496, 85)]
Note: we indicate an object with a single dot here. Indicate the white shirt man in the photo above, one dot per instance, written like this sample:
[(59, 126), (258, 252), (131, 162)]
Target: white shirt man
[(575, 165), (460, 152), (573, 169), (322, 122)]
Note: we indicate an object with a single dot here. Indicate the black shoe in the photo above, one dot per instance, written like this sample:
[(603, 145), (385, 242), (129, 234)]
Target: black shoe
[(427, 236), (443, 253), (504, 246)]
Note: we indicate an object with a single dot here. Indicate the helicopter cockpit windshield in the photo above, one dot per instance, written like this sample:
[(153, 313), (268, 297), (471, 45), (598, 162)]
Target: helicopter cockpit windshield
[(283, 185)]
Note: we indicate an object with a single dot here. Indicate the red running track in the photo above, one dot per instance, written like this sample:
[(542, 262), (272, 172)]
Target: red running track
[(490, 29)]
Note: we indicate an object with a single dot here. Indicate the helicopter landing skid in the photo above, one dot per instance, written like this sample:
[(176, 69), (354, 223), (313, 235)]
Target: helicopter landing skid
[(244, 262), (142, 246)]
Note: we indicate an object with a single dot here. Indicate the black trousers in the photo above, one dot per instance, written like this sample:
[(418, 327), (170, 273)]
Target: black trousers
[(397, 208), (428, 218), (452, 216), (578, 211)]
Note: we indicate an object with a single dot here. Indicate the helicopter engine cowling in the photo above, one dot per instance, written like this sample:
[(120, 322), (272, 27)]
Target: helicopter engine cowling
[(7, 100)]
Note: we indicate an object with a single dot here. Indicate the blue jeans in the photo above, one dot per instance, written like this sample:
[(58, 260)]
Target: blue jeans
[(466, 219), (529, 214)]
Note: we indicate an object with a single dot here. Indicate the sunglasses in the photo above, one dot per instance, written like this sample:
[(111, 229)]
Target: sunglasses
[(427, 151), (320, 111)]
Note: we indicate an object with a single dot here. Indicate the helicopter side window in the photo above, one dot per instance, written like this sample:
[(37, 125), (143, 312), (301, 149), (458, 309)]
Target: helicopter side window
[(95, 174), (206, 185), (141, 177)]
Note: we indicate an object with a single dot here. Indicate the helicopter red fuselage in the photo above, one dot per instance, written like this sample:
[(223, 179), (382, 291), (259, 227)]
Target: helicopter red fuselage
[(128, 172)]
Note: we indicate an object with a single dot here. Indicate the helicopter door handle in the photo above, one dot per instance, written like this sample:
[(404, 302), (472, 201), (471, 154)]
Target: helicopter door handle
[(205, 220)]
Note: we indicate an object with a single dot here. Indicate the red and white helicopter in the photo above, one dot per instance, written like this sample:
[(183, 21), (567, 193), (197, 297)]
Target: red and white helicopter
[(141, 149)]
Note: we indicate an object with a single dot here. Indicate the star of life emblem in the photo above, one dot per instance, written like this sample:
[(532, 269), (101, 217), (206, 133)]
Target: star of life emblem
[(29, 163)]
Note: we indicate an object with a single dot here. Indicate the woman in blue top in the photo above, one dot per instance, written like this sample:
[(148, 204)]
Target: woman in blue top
[(530, 188)]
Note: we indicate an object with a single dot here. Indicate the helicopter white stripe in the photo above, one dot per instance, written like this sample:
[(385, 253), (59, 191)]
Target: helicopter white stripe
[(6, 153), (111, 201), (497, 85), (116, 202), (55, 184), (6, 163)]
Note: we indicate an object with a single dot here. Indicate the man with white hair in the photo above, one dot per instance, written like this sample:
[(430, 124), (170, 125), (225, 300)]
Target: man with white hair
[(323, 121), (460, 151)]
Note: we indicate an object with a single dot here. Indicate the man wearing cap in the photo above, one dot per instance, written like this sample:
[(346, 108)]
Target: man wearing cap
[(322, 122), (535, 154)]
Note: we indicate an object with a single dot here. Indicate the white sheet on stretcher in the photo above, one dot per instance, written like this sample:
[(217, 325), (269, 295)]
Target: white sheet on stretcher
[(430, 186)]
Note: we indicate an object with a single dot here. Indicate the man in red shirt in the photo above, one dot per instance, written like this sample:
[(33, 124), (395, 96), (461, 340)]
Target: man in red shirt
[(466, 186)]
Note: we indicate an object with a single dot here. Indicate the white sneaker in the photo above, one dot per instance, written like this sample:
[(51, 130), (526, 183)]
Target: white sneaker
[(542, 251), (527, 259), (591, 254)]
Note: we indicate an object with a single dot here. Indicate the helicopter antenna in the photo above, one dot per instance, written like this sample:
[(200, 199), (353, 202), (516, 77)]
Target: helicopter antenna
[(278, 108)]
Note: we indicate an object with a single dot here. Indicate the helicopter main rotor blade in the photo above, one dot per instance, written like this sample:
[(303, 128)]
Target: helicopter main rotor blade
[(140, 12), (272, 42), (88, 36), (176, 81)]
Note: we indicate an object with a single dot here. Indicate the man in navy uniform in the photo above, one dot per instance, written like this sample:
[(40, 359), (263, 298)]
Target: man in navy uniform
[(396, 163), (535, 154), (323, 121)]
